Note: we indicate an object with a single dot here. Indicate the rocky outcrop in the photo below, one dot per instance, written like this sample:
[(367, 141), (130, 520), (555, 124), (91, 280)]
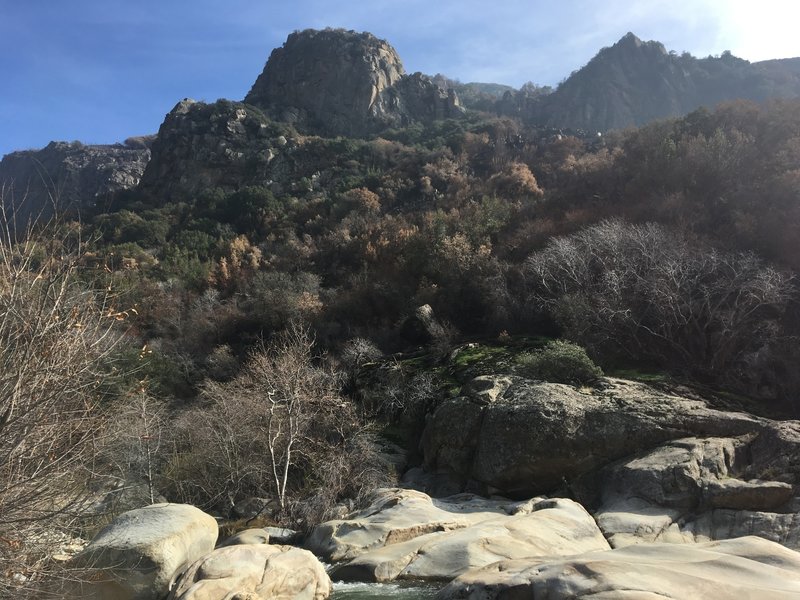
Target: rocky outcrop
[(339, 82), (690, 490), (747, 568), (398, 515), (520, 437), (200, 146), (138, 555), (255, 572), (540, 527), (69, 176)]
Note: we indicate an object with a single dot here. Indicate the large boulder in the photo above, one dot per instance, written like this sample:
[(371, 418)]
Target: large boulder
[(744, 568), (540, 528), (254, 572), (138, 555), (520, 437)]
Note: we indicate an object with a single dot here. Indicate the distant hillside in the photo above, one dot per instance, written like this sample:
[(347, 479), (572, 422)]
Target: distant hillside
[(71, 174), (634, 82)]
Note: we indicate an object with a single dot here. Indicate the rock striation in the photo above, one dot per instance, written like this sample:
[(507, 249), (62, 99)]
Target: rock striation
[(747, 568), (339, 82)]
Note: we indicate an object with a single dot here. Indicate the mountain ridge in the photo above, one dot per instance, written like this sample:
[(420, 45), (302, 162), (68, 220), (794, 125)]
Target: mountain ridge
[(337, 82)]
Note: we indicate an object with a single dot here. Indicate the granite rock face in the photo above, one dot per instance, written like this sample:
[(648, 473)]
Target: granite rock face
[(339, 82), (536, 528), (518, 437), (398, 515), (695, 490), (200, 146)]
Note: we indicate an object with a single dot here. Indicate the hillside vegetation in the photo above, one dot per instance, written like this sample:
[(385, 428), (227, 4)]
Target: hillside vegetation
[(272, 314)]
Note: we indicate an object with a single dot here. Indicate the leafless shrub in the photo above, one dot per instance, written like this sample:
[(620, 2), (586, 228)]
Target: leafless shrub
[(647, 292), (56, 333), (359, 351)]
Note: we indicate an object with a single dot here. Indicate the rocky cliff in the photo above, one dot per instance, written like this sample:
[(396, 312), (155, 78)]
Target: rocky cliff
[(634, 82), (199, 146), (71, 175), (346, 83)]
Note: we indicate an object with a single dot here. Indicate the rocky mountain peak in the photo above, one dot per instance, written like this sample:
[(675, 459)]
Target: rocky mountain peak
[(336, 81), (629, 39), (631, 45)]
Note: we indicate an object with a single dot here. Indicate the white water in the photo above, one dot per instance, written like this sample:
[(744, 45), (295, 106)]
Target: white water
[(371, 591)]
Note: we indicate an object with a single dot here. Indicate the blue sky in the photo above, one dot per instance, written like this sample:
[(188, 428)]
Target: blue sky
[(102, 70)]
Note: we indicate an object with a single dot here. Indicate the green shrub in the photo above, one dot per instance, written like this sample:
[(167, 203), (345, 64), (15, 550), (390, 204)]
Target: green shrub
[(559, 361)]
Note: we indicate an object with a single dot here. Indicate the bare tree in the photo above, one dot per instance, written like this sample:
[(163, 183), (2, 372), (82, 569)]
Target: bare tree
[(137, 441), (272, 430), (56, 335)]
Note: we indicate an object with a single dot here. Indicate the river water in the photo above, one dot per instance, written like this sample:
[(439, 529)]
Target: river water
[(373, 591)]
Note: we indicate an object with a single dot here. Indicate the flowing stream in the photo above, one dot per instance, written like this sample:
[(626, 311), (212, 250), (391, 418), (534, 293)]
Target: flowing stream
[(371, 591)]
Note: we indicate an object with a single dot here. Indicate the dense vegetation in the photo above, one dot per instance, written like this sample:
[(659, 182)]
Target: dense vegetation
[(671, 248), (464, 217)]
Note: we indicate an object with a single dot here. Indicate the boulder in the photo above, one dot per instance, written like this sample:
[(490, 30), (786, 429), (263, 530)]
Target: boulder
[(520, 437), (139, 553), (397, 515), (744, 568), (253, 507), (541, 528), (281, 535), (254, 572), (262, 535), (246, 537)]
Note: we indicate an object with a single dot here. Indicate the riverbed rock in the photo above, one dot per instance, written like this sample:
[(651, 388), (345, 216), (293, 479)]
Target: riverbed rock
[(519, 437), (253, 506), (254, 572), (262, 535), (545, 527), (139, 553), (397, 515), (747, 568)]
